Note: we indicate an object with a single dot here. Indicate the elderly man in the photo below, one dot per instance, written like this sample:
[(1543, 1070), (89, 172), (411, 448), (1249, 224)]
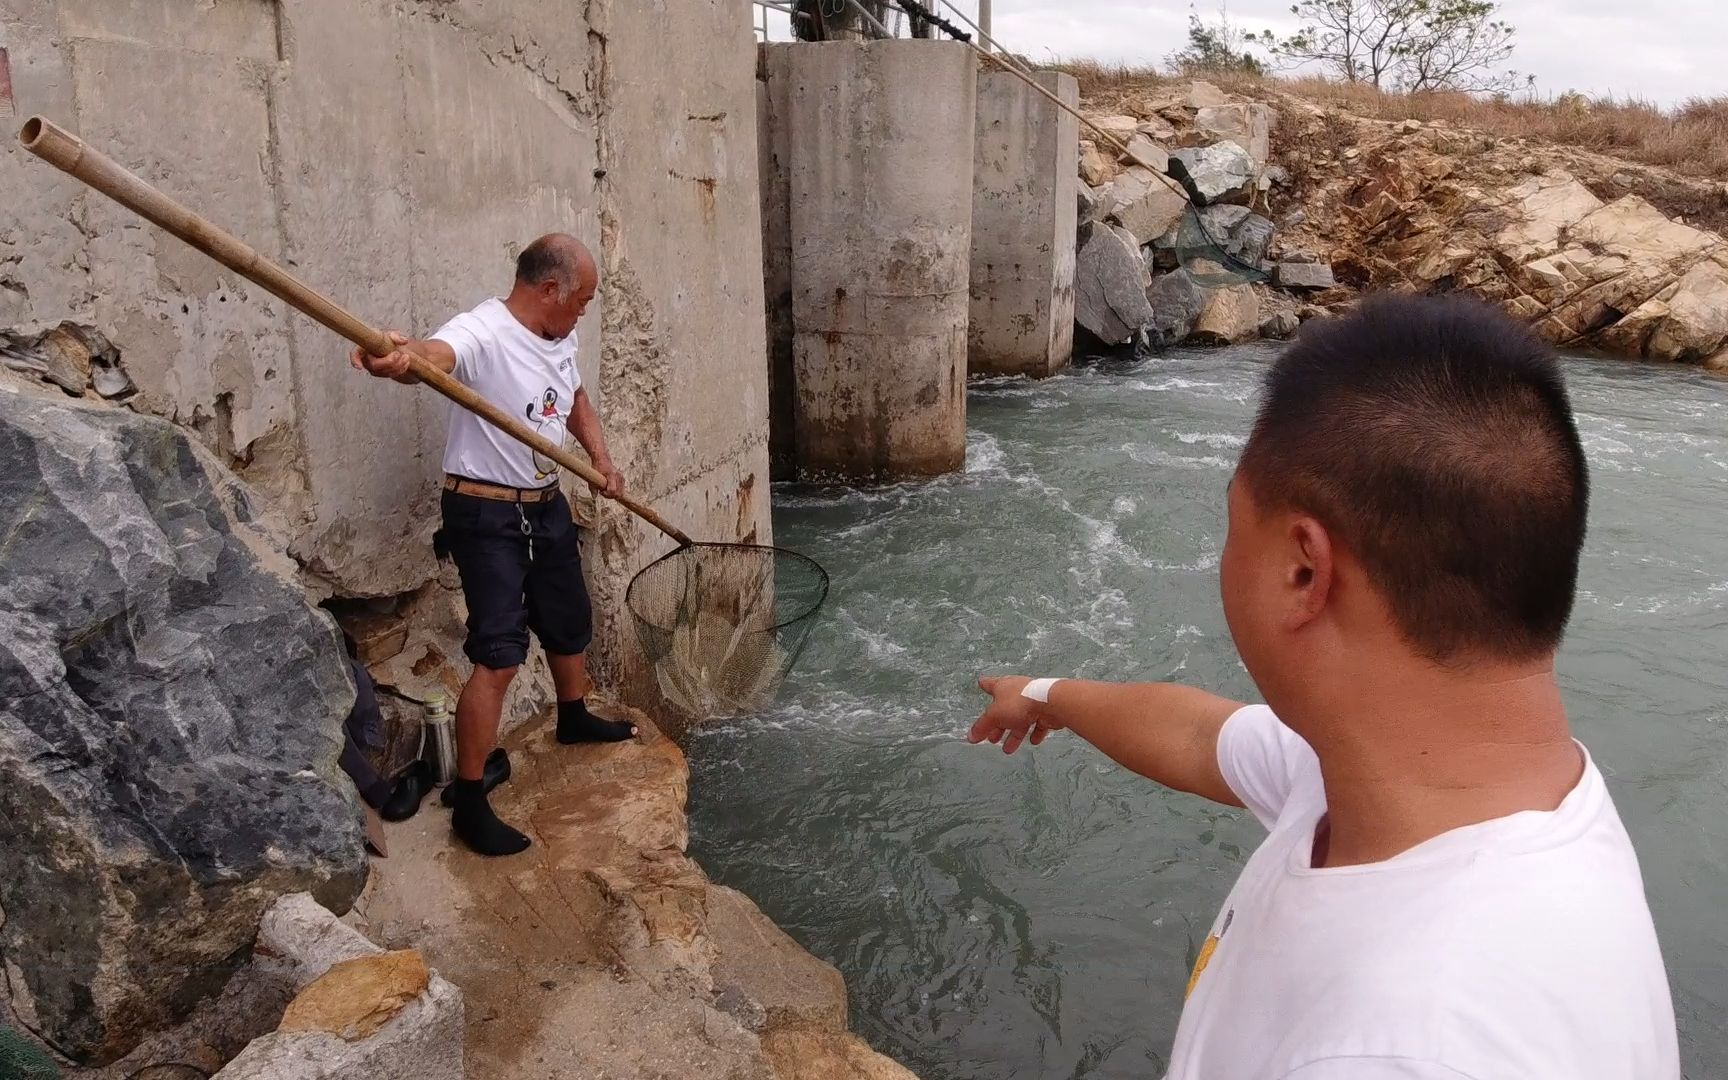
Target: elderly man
[(506, 523), (1446, 892)]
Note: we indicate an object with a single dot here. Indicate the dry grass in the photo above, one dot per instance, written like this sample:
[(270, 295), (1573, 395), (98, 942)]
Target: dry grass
[(1691, 140)]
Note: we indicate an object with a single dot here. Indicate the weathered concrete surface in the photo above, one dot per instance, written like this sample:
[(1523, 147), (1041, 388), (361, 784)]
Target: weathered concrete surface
[(881, 183), (1024, 213), (683, 386), (603, 951), (774, 163), (397, 154)]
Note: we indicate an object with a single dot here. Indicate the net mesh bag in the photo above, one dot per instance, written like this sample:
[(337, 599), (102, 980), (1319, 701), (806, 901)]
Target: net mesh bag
[(20, 1059), (722, 624), (1207, 258)]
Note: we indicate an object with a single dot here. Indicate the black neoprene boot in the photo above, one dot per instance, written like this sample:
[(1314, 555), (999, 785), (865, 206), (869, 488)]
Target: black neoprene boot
[(477, 826), (577, 725)]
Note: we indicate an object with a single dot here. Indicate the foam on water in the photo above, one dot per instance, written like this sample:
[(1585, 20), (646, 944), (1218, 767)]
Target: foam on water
[(1036, 916)]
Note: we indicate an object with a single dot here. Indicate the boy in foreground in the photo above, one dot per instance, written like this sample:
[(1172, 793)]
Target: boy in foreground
[(1446, 891)]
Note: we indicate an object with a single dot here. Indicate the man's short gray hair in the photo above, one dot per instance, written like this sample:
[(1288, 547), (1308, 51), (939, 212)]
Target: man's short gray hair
[(548, 259)]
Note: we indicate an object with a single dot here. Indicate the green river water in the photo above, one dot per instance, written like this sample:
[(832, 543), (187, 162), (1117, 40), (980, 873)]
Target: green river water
[(1036, 916)]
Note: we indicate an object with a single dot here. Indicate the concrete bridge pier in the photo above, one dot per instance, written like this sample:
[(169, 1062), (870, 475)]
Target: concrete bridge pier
[(879, 166), (1023, 223)]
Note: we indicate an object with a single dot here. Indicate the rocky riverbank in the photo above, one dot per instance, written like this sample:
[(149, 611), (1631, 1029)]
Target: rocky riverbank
[(605, 951), (182, 844), (1595, 252)]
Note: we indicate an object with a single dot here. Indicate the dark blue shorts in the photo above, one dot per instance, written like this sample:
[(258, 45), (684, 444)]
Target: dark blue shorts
[(521, 570)]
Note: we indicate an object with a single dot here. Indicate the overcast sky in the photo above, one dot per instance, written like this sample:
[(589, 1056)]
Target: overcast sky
[(1664, 50)]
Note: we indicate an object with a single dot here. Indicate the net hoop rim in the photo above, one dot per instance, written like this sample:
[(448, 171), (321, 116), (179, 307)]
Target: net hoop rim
[(821, 596)]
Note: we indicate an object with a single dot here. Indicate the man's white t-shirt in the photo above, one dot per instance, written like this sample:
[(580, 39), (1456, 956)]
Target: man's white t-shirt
[(529, 377), (1516, 948)]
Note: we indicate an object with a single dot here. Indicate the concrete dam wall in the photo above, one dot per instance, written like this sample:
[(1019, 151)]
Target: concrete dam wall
[(397, 155), (919, 220)]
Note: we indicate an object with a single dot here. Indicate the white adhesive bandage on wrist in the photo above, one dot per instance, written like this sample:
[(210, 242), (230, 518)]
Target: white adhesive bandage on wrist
[(1039, 690)]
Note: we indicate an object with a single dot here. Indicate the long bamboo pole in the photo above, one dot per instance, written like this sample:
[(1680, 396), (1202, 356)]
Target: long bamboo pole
[(70, 154)]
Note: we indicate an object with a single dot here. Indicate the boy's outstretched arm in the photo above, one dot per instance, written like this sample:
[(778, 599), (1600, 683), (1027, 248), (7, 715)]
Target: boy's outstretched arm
[(1164, 732)]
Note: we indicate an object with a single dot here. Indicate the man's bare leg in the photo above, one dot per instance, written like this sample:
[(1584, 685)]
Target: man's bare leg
[(477, 713), (575, 723)]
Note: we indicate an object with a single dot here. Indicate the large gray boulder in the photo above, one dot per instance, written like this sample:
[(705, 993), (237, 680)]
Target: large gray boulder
[(1236, 229), (1176, 302), (1248, 126), (170, 710), (1223, 172), (1110, 281), (1231, 317)]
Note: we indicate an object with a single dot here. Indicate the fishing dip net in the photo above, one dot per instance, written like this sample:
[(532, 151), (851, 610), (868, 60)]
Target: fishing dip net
[(722, 624), (20, 1059)]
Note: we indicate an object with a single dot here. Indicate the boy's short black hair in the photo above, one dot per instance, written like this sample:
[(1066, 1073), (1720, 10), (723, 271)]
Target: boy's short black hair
[(1433, 437)]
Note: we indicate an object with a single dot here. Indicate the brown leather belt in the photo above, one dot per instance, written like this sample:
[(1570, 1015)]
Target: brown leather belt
[(461, 485)]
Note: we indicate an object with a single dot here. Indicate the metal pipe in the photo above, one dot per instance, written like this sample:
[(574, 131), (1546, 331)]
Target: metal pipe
[(984, 24)]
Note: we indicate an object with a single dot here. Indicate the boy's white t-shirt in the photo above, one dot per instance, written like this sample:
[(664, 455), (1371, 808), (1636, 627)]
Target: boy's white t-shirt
[(1516, 948), (529, 377)]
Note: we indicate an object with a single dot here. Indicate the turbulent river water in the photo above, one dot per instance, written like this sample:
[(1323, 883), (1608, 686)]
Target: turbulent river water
[(1036, 916)]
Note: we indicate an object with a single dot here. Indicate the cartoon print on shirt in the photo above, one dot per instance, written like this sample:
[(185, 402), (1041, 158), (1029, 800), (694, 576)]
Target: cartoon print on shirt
[(549, 424)]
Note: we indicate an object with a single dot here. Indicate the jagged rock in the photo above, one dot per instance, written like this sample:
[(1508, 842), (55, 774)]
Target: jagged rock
[(1220, 223), (1697, 324), (1158, 130), (14, 303), (1121, 126), (1176, 302), (788, 985), (809, 1054), (1236, 229), (1553, 272), (1089, 204), (1145, 204), (1276, 176), (1231, 316), (1110, 287), (1223, 172), (1203, 95), (1299, 275), (1631, 227), (1250, 240), (1248, 126), (1147, 154), (422, 1040), (355, 998), (1095, 168), (345, 984), (172, 718), (1280, 326), (1629, 336), (69, 355), (1546, 206)]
